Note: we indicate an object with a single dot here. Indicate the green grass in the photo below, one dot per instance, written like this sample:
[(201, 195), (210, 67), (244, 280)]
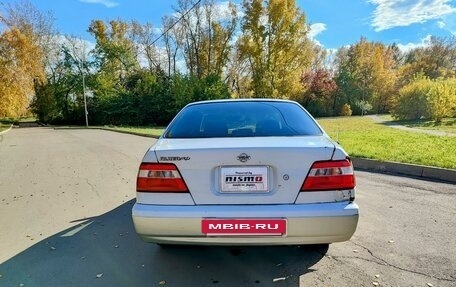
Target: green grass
[(4, 127), (362, 137)]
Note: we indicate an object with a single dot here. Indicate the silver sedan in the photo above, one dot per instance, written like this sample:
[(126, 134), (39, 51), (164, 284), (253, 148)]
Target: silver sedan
[(245, 172)]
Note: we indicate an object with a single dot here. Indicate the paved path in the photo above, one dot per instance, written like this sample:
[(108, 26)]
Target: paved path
[(380, 120), (65, 220)]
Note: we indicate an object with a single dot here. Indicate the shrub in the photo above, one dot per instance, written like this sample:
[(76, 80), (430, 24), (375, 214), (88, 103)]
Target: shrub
[(442, 99), (426, 99), (346, 110)]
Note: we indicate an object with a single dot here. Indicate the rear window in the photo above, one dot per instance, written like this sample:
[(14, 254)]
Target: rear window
[(242, 119)]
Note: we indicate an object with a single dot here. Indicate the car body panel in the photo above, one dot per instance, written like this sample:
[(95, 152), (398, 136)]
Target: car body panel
[(312, 217), (200, 162), (306, 223)]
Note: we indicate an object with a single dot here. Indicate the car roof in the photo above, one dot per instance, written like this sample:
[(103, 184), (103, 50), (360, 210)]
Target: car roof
[(242, 100)]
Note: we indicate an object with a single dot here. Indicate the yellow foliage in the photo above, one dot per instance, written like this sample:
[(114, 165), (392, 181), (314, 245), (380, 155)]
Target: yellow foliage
[(425, 98), (275, 46), (21, 66)]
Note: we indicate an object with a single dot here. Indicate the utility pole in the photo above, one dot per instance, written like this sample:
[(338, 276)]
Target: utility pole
[(83, 85)]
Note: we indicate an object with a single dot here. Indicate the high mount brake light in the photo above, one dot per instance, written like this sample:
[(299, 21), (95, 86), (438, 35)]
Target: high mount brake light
[(330, 175), (159, 177)]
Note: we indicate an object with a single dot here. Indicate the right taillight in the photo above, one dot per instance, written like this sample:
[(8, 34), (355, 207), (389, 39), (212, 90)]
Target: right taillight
[(159, 177), (330, 175)]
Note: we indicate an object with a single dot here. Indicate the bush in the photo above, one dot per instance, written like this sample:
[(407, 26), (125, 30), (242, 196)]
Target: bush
[(426, 99), (346, 110), (442, 99)]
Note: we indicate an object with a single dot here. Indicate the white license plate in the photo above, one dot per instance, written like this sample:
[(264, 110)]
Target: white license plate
[(244, 179)]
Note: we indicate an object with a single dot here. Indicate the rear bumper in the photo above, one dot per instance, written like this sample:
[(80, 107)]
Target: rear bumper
[(306, 223)]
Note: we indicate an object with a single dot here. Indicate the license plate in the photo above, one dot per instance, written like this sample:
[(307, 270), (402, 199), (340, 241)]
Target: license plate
[(244, 227), (244, 179)]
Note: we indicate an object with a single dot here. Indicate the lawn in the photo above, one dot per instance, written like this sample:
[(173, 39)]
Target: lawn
[(4, 124), (362, 137), (3, 127)]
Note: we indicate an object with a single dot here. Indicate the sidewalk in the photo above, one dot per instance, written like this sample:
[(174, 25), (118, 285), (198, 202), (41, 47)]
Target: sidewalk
[(379, 120)]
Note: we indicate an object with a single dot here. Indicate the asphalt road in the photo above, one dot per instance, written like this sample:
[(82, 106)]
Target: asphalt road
[(65, 200)]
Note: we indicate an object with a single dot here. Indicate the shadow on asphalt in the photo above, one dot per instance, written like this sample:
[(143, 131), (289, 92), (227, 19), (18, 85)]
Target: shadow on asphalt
[(105, 251)]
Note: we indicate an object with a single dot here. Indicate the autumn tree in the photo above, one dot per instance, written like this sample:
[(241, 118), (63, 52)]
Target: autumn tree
[(206, 32), (320, 88), (60, 98), (366, 75), (173, 36), (20, 67), (115, 55), (143, 37), (275, 46), (434, 60), (23, 54)]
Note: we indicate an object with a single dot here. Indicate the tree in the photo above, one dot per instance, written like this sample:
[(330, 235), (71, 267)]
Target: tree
[(20, 68), (437, 59), (60, 99), (366, 74), (143, 37), (115, 56), (320, 89), (24, 50), (275, 46), (206, 32)]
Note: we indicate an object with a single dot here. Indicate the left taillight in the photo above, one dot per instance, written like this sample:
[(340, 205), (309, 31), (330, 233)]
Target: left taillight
[(330, 175), (159, 177)]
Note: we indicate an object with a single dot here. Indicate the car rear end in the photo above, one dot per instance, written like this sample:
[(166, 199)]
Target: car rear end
[(236, 183)]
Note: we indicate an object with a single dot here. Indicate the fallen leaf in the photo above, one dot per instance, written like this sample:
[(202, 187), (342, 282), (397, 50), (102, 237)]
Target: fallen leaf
[(100, 275), (163, 282), (279, 279)]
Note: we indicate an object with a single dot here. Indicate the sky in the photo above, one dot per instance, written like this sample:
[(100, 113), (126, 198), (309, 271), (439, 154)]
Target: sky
[(334, 23)]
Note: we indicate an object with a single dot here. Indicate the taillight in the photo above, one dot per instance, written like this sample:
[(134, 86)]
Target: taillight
[(330, 175), (159, 177)]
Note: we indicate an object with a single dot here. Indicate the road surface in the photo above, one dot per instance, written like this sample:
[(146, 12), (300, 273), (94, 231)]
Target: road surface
[(65, 201)]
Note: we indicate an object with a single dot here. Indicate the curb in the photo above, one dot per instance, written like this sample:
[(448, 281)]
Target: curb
[(420, 171), (7, 130), (106, 129)]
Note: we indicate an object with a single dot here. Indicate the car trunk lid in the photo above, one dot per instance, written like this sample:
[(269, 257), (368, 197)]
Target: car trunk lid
[(261, 170)]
